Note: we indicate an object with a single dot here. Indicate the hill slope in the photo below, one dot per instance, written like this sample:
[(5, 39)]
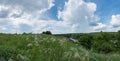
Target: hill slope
[(46, 48)]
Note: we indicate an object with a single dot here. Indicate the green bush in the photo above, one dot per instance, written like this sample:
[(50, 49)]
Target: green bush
[(102, 43), (85, 41)]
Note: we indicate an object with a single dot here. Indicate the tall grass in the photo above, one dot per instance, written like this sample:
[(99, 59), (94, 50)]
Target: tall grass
[(46, 48)]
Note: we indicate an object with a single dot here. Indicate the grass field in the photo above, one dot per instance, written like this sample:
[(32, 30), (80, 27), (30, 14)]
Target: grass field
[(46, 48)]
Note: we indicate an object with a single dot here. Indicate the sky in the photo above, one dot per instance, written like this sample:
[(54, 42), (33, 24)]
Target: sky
[(59, 16)]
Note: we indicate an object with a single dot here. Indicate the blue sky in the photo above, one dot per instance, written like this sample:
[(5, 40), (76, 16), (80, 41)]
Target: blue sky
[(59, 16), (106, 8)]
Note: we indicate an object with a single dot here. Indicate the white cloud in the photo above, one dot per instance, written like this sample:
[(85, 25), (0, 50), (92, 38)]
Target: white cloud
[(100, 27), (17, 8), (13, 13), (77, 16), (2, 28), (28, 5), (80, 13), (115, 21), (21, 11), (112, 26)]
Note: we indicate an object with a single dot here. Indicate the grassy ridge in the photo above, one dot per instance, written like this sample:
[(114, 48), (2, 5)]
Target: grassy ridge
[(46, 48)]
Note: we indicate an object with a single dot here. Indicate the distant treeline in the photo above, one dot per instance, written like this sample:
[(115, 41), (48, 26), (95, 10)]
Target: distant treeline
[(24, 33)]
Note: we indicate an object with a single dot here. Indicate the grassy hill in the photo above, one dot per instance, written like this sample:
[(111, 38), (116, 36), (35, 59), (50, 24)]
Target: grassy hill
[(41, 47)]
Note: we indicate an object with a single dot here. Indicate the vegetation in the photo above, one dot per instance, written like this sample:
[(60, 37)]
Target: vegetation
[(99, 42), (102, 43), (47, 32), (42, 47), (86, 41)]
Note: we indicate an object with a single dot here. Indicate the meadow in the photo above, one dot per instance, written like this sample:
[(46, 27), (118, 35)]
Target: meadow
[(41, 47)]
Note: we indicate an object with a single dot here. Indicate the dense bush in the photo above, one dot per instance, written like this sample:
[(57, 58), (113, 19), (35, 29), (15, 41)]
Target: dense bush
[(102, 43), (86, 41)]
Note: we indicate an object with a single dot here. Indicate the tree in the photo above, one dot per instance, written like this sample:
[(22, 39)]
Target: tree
[(118, 40), (47, 32), (85, 41), (102, 43), (118, 35), (24, 33)]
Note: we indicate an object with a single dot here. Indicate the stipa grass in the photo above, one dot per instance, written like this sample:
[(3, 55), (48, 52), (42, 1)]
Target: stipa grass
[(46, 48)]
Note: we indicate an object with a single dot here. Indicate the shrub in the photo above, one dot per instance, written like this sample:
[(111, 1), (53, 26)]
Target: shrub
[(85, 41), (102, 43)]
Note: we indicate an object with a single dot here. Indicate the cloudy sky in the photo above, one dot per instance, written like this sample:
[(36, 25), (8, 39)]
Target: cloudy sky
[(59, 16)]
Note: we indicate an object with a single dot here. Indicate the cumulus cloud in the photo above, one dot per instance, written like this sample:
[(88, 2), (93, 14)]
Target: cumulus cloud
[(115, 21), (28, 5), (79, 14), (113, 25), (25, 16), (15, 13), (100, 27), (17, 8)]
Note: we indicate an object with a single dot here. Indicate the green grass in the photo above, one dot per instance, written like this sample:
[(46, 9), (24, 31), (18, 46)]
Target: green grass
[(46, 48)]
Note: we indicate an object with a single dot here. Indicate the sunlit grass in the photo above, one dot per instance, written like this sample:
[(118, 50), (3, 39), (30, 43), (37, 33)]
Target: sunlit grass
[(46, 48)]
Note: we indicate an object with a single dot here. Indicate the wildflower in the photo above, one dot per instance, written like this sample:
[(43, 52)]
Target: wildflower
[(29, 45), (21, 57)]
